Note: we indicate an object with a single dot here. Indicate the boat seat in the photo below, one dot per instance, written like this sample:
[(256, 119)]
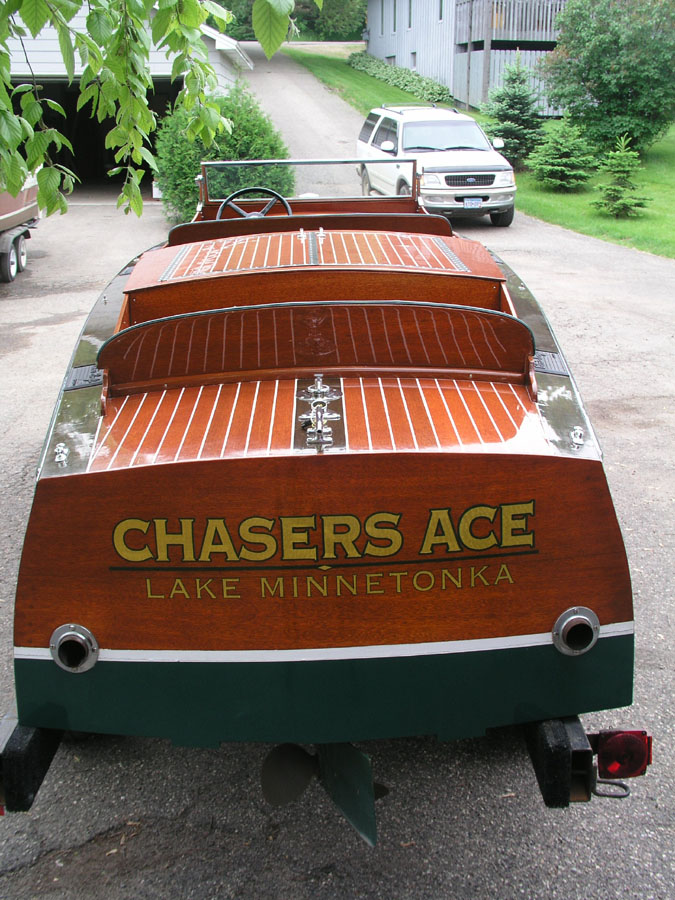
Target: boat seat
[(288, 340)]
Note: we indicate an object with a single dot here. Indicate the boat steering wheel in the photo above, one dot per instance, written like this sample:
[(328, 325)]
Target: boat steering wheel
[(276, 198)]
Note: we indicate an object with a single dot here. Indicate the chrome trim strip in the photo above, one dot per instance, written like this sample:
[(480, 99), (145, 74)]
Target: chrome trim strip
[(383, 651)]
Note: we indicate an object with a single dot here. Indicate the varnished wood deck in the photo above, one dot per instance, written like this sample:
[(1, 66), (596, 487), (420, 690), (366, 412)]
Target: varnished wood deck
[(258, 418)]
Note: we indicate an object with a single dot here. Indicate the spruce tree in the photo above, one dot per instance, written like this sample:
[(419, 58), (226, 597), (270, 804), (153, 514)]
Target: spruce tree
[(564, 161), (618, 194), (514, 109)]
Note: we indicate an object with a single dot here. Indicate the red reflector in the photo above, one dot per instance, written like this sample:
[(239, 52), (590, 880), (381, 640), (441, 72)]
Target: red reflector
[(623, 754)]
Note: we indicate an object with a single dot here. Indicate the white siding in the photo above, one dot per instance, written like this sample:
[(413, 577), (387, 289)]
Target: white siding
[(431, 39), (45, 58), (440, 46)]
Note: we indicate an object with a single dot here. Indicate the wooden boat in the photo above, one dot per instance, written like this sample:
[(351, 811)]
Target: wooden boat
[(328, 478)]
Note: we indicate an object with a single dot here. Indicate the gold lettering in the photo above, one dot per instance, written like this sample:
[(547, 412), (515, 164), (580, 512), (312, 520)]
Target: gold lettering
[(393, 535), (148, 591), (416, 583), (217, 540), (179, 588), (268, 541), (439, 531), (295, 533), (120, 544), (514, 523), (446, 575), (340, 531), (321, 588), (340, 580), (466, 535), (182, 538), (475, 574), (272, 588), (503, 574), (373, 585), (200, 588), (229, 586), (398, 576)]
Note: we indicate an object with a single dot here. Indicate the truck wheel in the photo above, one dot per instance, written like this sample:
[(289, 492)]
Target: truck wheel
[(9, 264), (403, 189), (21, 252), (503, 219), (365, 182)]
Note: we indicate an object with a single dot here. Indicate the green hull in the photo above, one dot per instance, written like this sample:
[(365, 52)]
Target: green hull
[(452, 696)]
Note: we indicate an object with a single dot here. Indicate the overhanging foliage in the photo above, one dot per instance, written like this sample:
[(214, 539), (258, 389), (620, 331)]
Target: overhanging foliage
[(115, 82)]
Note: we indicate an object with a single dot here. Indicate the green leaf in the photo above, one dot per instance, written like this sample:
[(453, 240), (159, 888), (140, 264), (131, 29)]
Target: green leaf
[(67, 52), (89, 93), (49, 181), (270, 27), (282, 7), (162, 23), (36, 147), (191, 13), (99, 26), (149, 158), (221, 15), (16, 173), (52, 104), (35, 15), (10, 129)]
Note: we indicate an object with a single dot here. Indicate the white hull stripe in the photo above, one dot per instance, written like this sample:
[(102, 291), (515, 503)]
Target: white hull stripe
[(377, 651)]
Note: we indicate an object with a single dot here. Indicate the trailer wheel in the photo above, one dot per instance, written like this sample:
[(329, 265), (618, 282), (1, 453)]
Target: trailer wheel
[(21, 252), (9, 264)]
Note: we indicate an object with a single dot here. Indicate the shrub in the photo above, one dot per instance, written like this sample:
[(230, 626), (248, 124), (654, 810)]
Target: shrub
[(514, 109), (618, 197), (423, 88), (252, 137), (564, 161), (612, 68)]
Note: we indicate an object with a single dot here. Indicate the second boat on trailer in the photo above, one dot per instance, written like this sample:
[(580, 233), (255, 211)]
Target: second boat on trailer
[(328, 479)]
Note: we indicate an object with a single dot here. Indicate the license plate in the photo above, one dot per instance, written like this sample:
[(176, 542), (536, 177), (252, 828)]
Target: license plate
[(472, 203)]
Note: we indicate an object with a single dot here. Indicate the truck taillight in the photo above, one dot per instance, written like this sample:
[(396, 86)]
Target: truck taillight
[(622, 754)]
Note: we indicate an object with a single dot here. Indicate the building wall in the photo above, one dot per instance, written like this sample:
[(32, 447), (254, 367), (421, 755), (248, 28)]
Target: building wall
[(446, 40), (419, 36)]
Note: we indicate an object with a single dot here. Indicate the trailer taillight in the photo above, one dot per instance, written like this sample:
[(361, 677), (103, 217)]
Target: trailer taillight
[(623, 754)]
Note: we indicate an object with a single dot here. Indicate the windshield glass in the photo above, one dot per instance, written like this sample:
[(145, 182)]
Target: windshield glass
[(294, 178), (440, 135)]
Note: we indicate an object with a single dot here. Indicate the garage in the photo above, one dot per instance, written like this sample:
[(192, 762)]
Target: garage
[(40, 59)]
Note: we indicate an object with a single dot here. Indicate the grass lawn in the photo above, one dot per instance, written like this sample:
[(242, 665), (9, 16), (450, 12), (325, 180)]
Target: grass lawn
[(653, 231)]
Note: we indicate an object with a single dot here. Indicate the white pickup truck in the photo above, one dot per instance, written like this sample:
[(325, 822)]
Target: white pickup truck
[(461, 172)]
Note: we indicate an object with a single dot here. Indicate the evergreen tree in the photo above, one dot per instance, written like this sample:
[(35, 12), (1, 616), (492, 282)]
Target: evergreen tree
[(514, 109), (618, 194), (564, 161)]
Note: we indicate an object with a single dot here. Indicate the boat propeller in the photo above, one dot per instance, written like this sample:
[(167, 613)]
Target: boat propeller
[(345, 773)]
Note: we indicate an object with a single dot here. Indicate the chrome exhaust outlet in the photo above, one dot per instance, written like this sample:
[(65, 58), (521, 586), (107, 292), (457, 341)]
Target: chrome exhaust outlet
[(74, 648), (576, 631)]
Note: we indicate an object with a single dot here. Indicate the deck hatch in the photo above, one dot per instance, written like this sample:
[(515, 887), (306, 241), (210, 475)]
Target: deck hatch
[(550, 363), (83, 377)]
